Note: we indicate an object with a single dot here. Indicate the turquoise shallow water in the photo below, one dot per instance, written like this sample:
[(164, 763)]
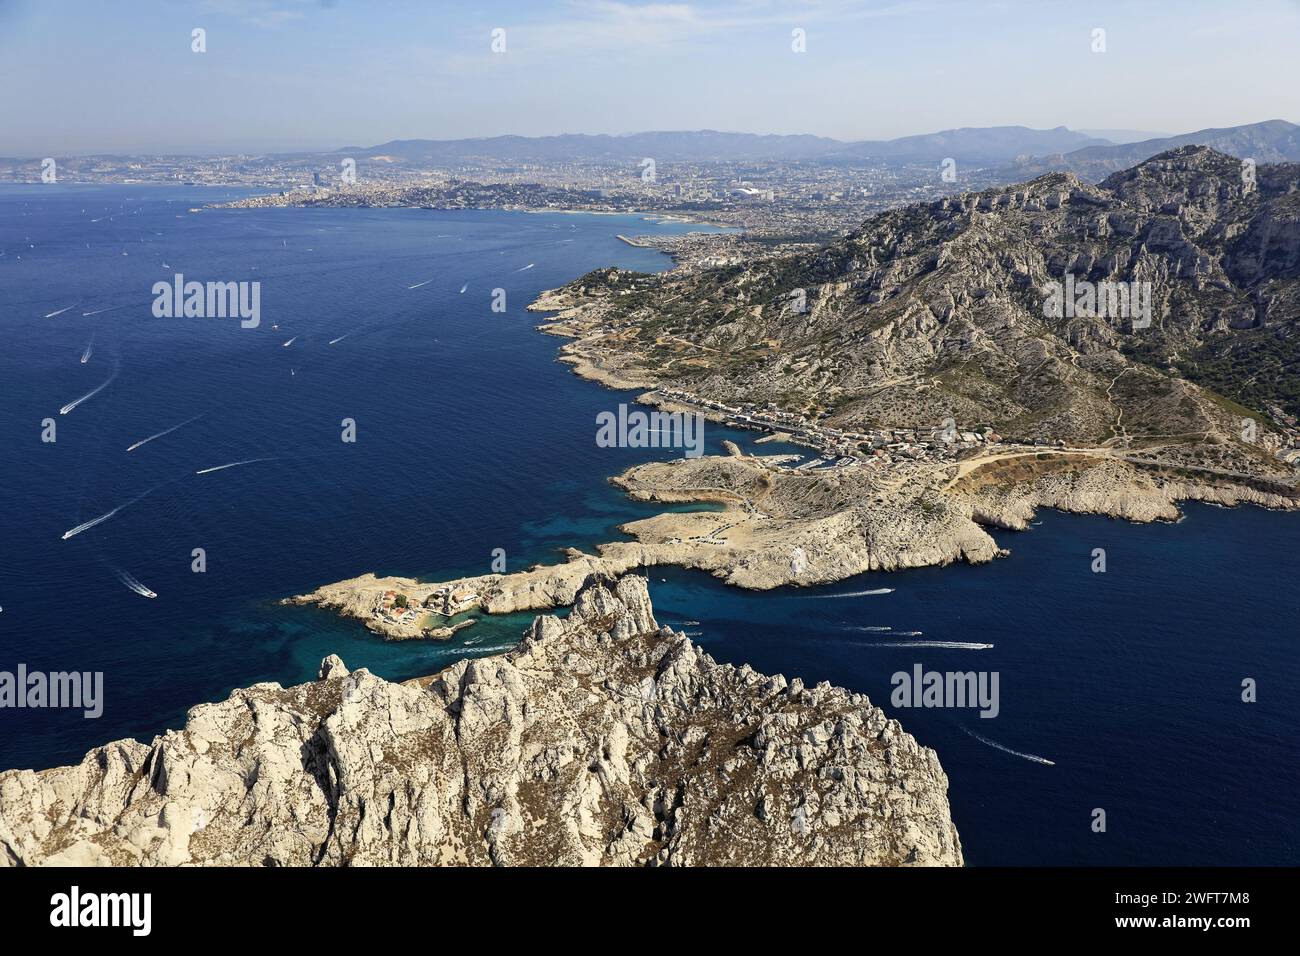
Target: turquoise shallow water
[(472, 437)]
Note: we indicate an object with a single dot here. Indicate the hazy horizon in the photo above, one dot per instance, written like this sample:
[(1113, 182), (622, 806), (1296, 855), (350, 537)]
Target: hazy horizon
[(298, 75)]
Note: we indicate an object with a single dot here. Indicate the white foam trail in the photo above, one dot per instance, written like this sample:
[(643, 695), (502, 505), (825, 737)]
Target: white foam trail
[(490, 648), (285, 345), (418, 284), (527, 267), (340, 338), (997, 746), (463, 288), (909, 633), (851, 593), (91, 394), (166, 431), (97, 311), (134, 585), (60, 311), (87, 525), (886, 628), (247, 461), (952, 645)]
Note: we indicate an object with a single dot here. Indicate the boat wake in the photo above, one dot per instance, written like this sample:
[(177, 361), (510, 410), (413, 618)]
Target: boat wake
[(850, 594), (463, 288), (484, 649), (133, 584), (87, 525), (418, 284), (50, 315), (290, 342), (1007, 750), (85, 356), (165, 431), (951, 645), (233, 464), (91, 394), (339, 339), (527, 267)]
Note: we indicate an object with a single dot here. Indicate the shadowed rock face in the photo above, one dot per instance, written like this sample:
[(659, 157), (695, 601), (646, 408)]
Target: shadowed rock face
[(602, 739)]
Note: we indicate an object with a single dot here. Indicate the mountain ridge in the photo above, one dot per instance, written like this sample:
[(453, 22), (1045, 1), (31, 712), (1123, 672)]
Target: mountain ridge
[(1269, 141), (972, 143), (937, 292), (1026, 149)]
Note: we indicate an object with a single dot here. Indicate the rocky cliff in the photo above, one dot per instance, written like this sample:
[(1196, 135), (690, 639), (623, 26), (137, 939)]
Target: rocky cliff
[(940, 310), (601, 739)]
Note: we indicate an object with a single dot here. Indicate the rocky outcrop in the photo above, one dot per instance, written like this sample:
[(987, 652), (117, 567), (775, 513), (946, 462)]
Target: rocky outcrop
[(602, 739), (785, 527)]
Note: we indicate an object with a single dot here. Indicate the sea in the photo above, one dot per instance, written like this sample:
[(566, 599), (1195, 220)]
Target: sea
[(1147, 714)]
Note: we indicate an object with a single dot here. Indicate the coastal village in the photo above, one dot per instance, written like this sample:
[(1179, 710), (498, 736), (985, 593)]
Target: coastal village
[(399, 616), (836, 447)]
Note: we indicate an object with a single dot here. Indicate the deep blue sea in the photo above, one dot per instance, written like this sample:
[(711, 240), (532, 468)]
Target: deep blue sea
[(471, 437)]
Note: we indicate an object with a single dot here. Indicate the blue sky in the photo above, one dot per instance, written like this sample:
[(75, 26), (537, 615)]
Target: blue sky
[(82, 76)]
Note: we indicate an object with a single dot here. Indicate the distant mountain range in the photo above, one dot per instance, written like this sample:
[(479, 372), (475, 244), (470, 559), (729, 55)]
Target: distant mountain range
[(1027, 151), (970, 145), (694, 146), (1273, 141), (1118, 136), (996, 144)]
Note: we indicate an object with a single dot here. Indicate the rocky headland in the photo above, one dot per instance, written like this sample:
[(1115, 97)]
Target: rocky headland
[(602, 739), (785, 527), (917, 359)]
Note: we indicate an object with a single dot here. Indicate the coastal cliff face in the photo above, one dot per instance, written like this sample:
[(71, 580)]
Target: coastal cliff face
[(602, 739)]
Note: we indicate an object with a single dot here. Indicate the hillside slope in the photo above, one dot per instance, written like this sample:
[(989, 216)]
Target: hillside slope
[(944, 310)]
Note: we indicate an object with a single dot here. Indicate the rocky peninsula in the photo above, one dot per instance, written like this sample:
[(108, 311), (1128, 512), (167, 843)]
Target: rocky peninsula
[(602, 739), (941, 398)]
